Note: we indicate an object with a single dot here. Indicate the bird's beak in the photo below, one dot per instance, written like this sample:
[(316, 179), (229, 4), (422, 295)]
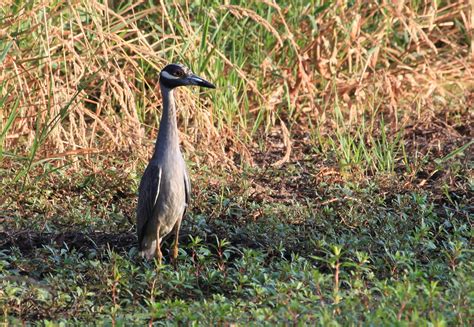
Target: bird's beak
[(196, 80)]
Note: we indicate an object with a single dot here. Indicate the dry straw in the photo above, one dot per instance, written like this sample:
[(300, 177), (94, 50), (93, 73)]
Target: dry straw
[(79, 78)]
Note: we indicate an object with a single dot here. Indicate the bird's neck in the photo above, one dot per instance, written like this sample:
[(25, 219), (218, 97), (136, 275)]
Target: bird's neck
[(168, 138)]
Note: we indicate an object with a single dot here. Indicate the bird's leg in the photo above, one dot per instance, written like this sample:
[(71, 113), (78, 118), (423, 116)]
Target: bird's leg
[(176, 239), (158, 254)]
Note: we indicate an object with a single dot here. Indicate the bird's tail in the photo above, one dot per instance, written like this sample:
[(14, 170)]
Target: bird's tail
[(148, 249)]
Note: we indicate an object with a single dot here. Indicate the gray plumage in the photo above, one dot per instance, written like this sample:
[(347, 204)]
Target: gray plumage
[(164, 191)]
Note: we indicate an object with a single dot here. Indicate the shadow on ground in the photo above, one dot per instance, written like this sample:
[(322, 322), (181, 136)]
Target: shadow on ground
[(28, 240)]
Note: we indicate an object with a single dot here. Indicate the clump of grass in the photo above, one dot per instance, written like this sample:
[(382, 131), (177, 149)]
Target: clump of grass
[(79, 79)]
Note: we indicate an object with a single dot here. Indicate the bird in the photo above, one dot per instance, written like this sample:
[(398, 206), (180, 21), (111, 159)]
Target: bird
[(165, 189)]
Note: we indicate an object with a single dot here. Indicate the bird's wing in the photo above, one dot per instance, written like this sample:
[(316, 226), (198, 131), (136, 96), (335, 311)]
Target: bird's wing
[(187, 187), (148, 195)]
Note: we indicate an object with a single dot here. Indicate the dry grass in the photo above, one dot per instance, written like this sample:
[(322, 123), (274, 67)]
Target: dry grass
[(80, 79)]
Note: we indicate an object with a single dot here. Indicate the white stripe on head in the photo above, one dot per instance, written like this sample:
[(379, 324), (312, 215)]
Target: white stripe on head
[(197, 78), (167, 75)]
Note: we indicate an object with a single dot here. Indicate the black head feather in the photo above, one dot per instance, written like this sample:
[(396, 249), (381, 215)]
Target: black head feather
[(174, 75)]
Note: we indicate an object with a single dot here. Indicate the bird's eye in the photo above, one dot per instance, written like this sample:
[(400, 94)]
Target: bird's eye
[(179, 73)]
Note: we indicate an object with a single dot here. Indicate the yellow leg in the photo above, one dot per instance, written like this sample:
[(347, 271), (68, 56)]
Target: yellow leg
[(176, 239), (158, 254)]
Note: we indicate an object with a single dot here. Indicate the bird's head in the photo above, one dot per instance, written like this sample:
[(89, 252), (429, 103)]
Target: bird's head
[(174, 75)]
